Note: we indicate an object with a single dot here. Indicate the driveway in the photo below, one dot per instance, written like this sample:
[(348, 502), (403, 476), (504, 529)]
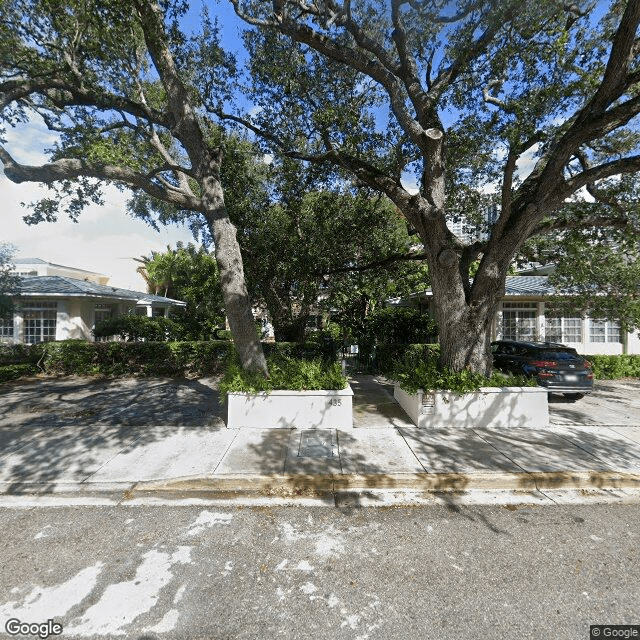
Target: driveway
[(613, 402)]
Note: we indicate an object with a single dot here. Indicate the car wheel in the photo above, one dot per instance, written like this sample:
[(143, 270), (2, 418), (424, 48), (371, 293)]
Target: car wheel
[(574, 396)]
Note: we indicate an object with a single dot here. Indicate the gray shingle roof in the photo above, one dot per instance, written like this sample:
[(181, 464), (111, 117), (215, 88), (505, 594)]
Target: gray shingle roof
[(528, 286), (29, 261), (515, 286), (60, 286)]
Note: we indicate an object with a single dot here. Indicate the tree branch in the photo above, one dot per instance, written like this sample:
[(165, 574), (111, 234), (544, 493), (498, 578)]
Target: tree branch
[(592, 175), (71, 168), (614, 81), (62, 94), (446, 77), (379, 68), (396, 257), (587, 222)]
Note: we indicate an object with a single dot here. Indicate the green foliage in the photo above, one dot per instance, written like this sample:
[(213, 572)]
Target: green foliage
[(301, 234), (15, 371), (133, 328), (415, 366), (295, 374), (389, 356), (19, 354), (614, 367), (399, 325), (308, 350), (190, 275), (77, 357), (9, 282), (427, 376)]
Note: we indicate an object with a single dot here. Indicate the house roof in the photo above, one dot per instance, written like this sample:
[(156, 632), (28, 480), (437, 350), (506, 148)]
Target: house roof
[(515, 286), (18, 261), (528, 286), (59, 286)]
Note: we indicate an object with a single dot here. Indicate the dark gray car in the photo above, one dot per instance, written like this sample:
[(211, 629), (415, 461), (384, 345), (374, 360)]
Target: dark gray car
[(555, 366)]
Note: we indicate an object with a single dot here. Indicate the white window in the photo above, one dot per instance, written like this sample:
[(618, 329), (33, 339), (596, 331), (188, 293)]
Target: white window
[(605, 331), (39, 321), (553, 329), (613, 332), (559, 328), (572, 330), (6, 328), (519, 320)]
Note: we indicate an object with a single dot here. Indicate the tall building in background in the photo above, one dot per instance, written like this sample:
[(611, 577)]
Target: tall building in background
[(470, 232)]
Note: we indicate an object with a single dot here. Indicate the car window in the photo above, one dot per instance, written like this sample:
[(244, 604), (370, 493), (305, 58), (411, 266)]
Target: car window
[(559, 354)]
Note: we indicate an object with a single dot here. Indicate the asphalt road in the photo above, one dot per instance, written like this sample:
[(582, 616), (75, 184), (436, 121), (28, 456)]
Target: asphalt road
[(444, 572)]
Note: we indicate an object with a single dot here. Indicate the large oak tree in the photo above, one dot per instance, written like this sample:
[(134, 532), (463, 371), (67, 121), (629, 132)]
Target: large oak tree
[(122, 88), (465, 95)]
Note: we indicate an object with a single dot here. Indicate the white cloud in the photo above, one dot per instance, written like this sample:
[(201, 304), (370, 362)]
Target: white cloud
[(527, 162), (105, 239), (410, 184)]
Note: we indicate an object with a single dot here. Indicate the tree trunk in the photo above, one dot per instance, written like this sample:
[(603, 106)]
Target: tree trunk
[(234, 289), (465, 318), (465, 338)]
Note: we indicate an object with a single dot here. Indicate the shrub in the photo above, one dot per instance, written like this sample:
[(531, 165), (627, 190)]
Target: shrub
[(399, 325), (427, 376), (18, 354), (310, 350), (415, 366), (76, 357), (296, 374), (388, 356), (15, 371), (613, 367), (133, 328)]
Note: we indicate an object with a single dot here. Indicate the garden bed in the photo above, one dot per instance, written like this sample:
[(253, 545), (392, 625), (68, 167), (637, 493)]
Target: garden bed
[(495, 407)]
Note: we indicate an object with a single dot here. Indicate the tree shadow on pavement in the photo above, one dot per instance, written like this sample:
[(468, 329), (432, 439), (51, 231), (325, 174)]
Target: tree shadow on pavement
[(63, 430)]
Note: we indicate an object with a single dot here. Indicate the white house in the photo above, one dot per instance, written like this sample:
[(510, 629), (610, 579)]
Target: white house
[(526, 313), (60, 303)]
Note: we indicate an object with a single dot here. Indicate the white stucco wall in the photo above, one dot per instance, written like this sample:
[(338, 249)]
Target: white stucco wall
[(74, 320)]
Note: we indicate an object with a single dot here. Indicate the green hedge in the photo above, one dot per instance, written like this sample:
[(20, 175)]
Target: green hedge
[(14, 371), (134, 328), (309, 350), (18, 354), (613, 367), (78, 357)]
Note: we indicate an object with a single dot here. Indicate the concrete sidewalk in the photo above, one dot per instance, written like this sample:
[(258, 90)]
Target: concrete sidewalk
[(127, 439)]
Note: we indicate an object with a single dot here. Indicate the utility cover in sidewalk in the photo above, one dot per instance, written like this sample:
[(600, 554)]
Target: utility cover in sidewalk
[(317, 443)]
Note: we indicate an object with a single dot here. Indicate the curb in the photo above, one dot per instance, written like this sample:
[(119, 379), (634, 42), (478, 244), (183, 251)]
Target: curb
[(427, 483), (328, 487)]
